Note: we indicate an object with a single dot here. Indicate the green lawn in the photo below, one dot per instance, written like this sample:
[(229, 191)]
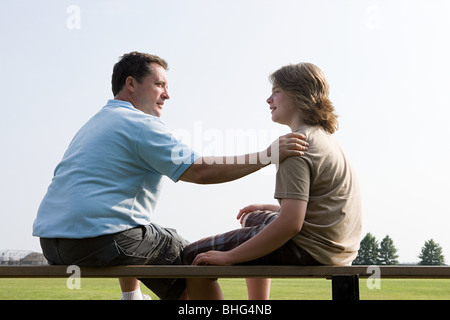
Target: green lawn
[(282, 289)]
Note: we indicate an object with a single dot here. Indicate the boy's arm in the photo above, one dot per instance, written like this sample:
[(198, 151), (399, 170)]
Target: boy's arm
[(277, 233)]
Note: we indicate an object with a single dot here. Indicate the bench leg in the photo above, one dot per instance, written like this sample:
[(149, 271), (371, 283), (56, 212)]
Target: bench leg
[(345, 287)]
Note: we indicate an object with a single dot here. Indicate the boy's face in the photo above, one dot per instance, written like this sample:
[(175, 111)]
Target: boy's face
[(280, 106)]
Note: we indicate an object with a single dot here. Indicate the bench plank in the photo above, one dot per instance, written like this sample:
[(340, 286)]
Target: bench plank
[(182, 271)]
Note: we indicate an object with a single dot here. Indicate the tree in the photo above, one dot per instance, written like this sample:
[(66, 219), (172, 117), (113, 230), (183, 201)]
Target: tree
[(368, 251), (387, 253), (431, 254)]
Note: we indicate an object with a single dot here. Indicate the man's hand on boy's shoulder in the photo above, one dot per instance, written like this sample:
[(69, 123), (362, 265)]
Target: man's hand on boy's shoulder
[(289, 145)]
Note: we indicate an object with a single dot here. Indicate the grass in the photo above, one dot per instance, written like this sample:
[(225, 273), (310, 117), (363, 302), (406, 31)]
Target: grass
[(233, 289)]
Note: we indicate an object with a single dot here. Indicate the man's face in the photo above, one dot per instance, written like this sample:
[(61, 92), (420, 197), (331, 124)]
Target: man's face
[(150, 94)]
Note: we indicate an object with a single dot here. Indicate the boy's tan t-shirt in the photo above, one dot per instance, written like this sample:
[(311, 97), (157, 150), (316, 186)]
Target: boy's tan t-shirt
[(323, 177)]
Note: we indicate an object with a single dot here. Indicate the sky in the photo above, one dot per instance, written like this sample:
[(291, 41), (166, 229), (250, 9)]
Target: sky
[(386, 62)]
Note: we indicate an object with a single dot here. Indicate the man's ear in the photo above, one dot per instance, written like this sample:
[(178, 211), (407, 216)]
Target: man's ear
[(130, 83)]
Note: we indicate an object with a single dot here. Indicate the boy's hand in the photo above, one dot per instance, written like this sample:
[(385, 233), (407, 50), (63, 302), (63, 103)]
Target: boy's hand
[(213, 257)]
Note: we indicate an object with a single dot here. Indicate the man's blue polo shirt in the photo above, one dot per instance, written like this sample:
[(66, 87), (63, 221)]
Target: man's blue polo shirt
[(110, 177)]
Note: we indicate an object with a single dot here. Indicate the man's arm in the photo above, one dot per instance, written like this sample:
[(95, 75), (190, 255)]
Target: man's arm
[(207, 170)]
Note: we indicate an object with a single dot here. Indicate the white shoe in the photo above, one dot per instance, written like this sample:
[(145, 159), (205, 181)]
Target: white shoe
[(146, 297)]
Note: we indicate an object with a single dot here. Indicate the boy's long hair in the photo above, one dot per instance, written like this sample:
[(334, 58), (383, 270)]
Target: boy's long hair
[(306, 84)]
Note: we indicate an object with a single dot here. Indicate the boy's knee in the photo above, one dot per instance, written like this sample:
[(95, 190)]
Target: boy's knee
[(257, 218), (251, 219), (243, 220)]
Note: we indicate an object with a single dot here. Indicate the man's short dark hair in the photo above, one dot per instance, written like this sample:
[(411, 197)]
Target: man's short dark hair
[(135, 64)]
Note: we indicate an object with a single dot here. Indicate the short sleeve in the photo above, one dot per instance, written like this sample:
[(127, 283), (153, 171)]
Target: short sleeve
[(293, 179), (161, 151)]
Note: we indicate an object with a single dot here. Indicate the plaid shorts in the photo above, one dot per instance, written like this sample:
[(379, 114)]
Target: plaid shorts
[(287, 254)]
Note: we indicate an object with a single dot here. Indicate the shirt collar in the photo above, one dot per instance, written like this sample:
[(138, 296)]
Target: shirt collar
[(121, 103)]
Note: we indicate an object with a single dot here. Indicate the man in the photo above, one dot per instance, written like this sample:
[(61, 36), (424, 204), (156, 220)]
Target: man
[(97, 209)]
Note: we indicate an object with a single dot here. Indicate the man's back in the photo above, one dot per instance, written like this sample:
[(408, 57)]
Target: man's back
[(110, 176)]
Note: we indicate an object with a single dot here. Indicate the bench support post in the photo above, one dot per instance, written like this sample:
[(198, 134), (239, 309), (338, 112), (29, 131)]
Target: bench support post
[(345, 287)]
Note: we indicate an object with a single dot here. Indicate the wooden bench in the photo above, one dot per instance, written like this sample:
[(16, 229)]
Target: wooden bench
[(345, 280)]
